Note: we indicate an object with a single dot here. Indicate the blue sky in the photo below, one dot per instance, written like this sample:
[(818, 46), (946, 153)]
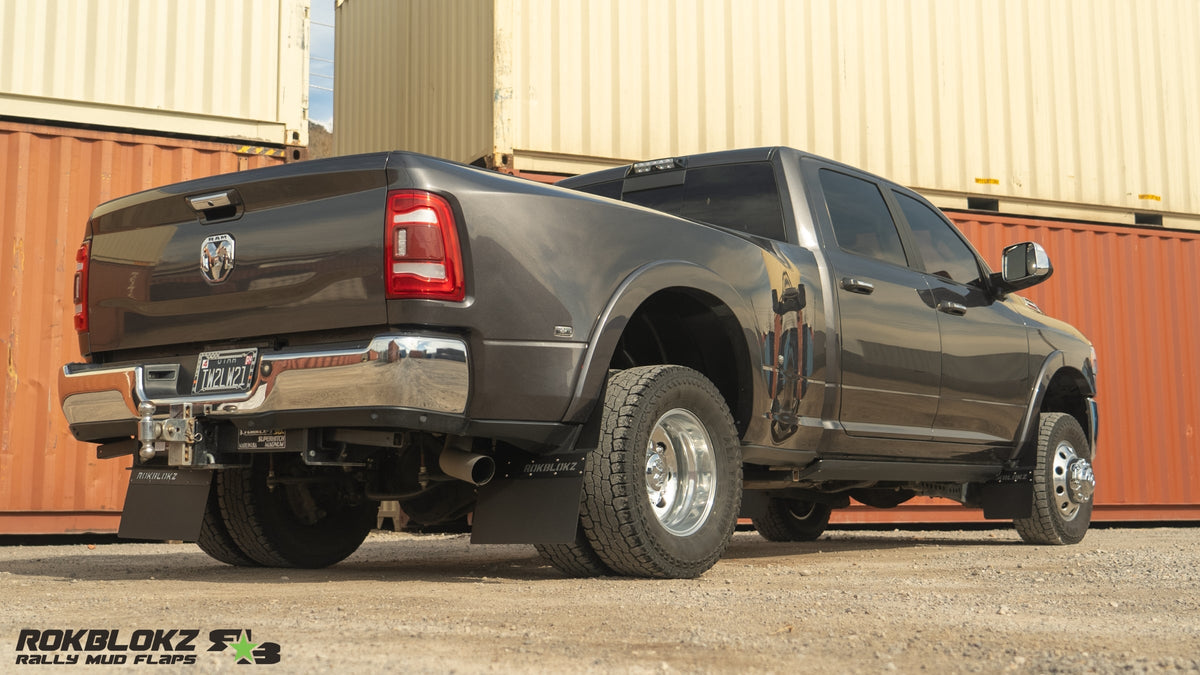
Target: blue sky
[(320, 63)]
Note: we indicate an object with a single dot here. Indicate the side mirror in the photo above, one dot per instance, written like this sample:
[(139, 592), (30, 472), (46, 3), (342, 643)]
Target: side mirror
[(1025, 265)]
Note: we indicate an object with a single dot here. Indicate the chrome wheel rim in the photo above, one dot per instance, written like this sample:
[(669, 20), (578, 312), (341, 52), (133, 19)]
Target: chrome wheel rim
[(681, 472), (802, 511), (1074, 482)]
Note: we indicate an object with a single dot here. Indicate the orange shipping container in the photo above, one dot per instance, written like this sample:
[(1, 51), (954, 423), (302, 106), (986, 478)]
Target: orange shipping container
[(50, 180), (1135, 292)]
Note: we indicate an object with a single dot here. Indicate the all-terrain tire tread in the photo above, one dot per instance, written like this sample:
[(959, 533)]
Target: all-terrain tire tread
[(577, 559), (607, 515)]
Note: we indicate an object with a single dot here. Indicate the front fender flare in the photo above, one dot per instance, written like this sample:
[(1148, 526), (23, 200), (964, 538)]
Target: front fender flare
[(1055, 362)]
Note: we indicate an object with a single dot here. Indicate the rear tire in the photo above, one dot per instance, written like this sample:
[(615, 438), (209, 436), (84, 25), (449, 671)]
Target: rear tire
[(662, 491), (296, 524), (1062, 484), (215, 539), (577, 559), (792, 520)]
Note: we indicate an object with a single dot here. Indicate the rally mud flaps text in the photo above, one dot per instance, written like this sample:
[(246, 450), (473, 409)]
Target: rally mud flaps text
[(158, 646)]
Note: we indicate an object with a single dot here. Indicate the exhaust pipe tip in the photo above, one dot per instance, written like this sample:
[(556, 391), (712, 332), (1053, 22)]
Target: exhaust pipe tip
[(467, 466)]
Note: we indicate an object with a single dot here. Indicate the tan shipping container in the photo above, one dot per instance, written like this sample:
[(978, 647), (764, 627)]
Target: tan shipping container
[(414, 75), (212, 68), (50, 180), (1073, 108)]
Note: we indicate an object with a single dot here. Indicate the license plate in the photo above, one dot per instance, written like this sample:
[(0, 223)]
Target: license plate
[(224, 372)]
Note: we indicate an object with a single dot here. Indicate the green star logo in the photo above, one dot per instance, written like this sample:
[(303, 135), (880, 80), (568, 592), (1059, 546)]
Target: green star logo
[(243, 649)]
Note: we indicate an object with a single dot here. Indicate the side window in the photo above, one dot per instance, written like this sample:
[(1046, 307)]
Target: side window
[(946, 254), (862, 222)]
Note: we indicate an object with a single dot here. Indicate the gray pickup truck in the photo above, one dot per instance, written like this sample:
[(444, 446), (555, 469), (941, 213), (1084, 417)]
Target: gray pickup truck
[(615, 368)]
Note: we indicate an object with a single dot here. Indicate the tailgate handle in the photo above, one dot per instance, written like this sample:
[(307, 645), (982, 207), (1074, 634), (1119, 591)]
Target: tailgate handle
[(216, 206), (214, 201)]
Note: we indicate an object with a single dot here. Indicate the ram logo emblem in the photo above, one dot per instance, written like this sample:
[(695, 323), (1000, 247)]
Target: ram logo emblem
[(217, 258)]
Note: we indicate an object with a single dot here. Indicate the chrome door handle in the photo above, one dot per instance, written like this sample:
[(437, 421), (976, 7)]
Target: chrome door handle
[(954, 308), (858, 286)]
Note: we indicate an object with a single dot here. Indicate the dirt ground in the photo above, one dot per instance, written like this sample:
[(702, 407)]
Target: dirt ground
[(863, 601)]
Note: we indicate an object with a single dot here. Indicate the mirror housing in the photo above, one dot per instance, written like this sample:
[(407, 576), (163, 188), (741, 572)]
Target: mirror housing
[(1024, 265)]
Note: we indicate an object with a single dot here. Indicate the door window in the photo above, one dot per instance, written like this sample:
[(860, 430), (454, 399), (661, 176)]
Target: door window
[(861, 220), (946, 255)]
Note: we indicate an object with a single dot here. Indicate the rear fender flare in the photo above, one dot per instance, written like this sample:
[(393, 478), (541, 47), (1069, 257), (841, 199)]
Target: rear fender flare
[(629, 296)]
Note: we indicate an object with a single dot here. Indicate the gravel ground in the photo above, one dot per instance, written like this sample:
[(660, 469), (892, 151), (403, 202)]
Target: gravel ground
[(1123, 601)]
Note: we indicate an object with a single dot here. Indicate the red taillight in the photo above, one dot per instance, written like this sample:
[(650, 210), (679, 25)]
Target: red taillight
[(82, 260), (423, 256)]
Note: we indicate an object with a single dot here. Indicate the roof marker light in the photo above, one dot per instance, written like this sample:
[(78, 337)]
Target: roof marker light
[(656, 165)]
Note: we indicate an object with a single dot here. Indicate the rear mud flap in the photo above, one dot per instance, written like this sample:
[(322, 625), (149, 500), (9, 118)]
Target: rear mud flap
[(165, 504), (532, 500)]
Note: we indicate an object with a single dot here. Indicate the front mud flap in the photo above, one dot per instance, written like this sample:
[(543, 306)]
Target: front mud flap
[(1007, 500), (532, 500), (165, 503)]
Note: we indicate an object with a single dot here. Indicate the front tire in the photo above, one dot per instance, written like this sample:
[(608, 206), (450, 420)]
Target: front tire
[(663, 490), (282, 513), (1063, 484), (792, 520)]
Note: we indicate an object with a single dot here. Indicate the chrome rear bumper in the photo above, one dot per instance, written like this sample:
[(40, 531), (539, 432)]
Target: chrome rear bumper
[(394, 371)]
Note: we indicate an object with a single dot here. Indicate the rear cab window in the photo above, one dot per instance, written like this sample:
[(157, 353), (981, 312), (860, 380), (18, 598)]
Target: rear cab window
[(742, 197)]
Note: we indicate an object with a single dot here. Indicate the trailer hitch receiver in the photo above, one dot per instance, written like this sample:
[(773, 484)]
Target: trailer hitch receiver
[(176, 435)]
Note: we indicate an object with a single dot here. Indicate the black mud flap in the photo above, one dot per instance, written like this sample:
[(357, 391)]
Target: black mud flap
[(165, 504), (1007, 500), (532, 500), (754, 504)]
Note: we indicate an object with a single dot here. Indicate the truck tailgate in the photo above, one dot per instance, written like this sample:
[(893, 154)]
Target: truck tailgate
[(282, 250)]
